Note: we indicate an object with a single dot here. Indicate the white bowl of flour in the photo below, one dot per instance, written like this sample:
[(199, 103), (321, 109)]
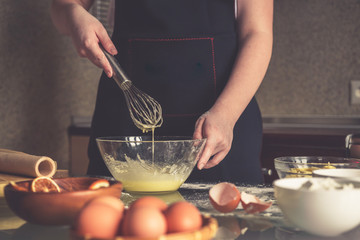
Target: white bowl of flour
[(320, 206)]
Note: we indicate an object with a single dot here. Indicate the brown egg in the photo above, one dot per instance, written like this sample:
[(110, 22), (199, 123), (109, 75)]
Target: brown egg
[(182, 217), (121, 229), (224, 197), (229, 227), (110, 201), (144, 222), (100, 218), (149, 201)]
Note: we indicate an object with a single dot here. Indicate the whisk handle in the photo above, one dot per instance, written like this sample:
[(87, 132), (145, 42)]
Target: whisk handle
[(119, 75)]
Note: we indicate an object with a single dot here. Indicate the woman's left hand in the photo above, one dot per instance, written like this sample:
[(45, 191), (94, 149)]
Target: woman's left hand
[(219, 134)]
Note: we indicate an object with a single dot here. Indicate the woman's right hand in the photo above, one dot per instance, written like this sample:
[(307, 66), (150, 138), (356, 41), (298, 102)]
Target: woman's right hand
[(86, 32)]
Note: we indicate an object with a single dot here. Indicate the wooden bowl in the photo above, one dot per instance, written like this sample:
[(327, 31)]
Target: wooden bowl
[(56, 208), (206, 232)]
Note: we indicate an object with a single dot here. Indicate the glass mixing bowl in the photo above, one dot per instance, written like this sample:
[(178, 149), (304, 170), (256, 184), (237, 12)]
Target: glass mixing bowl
[(143, 165), (303, 166)]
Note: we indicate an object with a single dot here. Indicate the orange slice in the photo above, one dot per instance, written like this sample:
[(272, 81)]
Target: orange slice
[(44, 184), (99, 184), (18, 187)]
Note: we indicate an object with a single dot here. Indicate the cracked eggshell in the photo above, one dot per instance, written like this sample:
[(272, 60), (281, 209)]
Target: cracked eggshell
[(224, 197), (252, 204)]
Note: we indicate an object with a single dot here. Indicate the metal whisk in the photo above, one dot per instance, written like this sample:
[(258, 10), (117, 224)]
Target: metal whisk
[(145, 111)]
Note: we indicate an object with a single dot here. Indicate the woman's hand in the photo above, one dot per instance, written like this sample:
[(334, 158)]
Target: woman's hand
[(219, 134), (86, 32), (255, 18)]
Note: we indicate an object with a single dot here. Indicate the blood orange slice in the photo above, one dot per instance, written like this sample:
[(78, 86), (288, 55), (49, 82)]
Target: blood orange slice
[(18, 187), (44, 184), (99, 184)]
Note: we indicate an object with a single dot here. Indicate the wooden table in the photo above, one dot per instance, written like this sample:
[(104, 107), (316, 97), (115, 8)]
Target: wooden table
[(236, 225)]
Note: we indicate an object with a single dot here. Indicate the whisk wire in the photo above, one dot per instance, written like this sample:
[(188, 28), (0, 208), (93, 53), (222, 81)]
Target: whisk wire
[(145, 111)]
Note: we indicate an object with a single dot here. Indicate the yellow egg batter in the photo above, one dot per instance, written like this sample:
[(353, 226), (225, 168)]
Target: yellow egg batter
[(152, 186), (138, 176)]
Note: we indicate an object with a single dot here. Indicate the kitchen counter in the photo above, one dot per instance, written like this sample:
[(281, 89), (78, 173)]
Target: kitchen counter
[(271, 124), (314, 125), (236, 225)]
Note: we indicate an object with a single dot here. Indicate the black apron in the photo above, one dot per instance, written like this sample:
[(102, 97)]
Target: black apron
[(180, 52)]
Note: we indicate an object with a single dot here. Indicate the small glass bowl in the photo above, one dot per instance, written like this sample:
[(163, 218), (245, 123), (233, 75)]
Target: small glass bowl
[(303, 166)]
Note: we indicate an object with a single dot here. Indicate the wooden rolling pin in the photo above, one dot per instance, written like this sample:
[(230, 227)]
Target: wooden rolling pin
[(19, 163)]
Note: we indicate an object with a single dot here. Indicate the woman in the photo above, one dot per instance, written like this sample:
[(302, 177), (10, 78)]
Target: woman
[(203, 60)]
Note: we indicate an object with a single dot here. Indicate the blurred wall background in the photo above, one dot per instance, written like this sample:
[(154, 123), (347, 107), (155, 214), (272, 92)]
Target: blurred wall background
[(315, 56), (43, 81)]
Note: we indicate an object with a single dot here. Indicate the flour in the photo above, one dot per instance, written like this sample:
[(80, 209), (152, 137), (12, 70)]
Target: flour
[(314, 184)]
